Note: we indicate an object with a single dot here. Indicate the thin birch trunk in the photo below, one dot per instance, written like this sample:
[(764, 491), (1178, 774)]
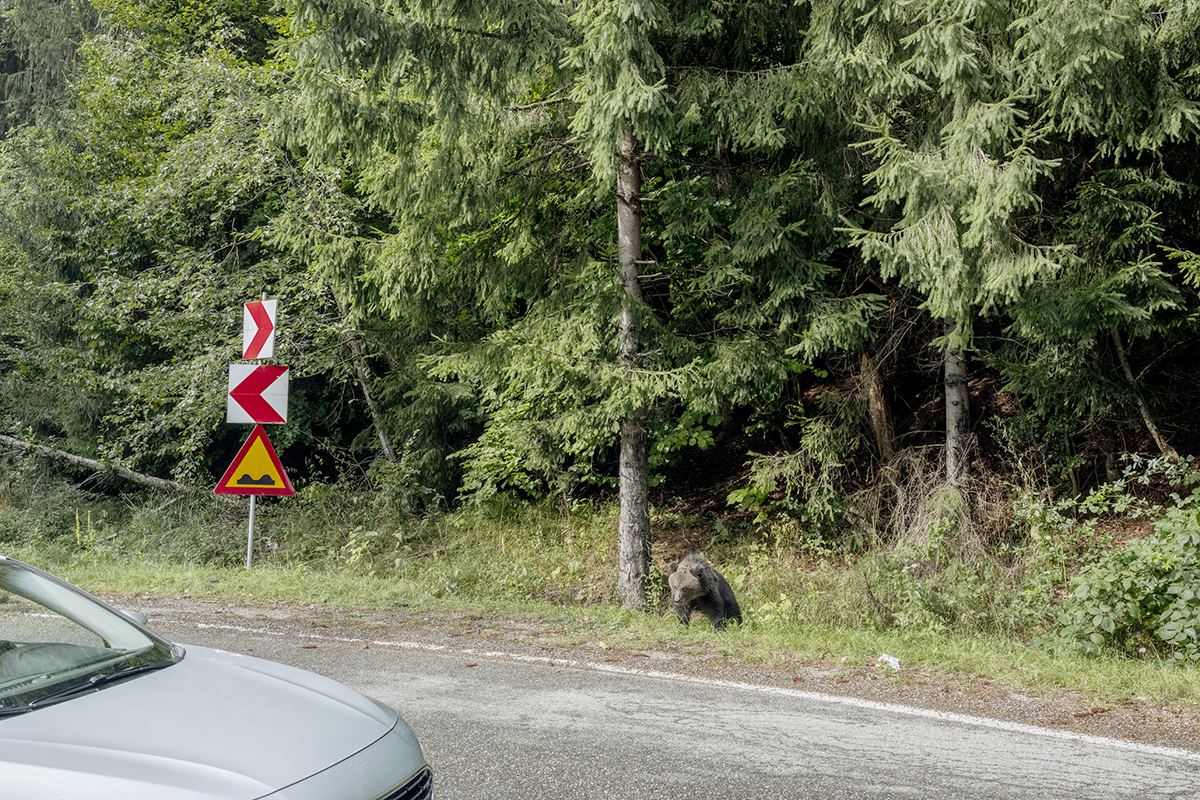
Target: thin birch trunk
[(958, 408), (634, 530)]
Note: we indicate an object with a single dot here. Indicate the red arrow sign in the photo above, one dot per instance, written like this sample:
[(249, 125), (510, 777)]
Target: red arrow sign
[(257, 394), (258, 329)]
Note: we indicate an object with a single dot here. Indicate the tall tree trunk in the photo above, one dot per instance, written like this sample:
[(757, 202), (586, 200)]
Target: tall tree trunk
[(634, 531), (364, 380), (1155, 434), (958, 408)]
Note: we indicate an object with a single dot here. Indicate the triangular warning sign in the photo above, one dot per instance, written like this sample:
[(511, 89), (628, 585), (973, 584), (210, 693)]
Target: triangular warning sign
[(256, 469)]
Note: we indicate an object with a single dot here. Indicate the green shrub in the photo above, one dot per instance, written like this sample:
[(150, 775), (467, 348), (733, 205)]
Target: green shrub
[(1143, 598)]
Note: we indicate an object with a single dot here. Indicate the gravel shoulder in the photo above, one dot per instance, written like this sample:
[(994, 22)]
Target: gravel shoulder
[(1131, 719)]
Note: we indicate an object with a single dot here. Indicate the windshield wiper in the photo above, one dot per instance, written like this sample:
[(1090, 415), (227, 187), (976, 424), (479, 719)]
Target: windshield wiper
[(94, 683)]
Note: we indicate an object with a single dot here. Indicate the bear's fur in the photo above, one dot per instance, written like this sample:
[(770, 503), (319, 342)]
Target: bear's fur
[(697, 586)]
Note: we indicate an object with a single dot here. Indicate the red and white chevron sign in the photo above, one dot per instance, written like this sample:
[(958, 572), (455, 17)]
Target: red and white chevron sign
[(257, 393), (258, 329)]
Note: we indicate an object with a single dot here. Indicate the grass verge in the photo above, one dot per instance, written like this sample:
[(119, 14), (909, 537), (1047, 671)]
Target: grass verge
[(558, 567)]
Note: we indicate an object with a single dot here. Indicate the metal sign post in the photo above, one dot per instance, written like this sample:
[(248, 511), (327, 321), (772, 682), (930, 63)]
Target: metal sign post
[(250, 533), (255, 470), (257, 393)]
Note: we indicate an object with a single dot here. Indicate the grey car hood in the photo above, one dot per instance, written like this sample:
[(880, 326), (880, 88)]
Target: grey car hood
[(214, 726)]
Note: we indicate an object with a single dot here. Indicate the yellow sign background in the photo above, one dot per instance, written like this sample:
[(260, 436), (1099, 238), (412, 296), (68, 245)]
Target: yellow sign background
[(257, 464), (256, 469)]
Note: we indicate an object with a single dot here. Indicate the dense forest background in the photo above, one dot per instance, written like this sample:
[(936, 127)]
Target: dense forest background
[(884, 247)]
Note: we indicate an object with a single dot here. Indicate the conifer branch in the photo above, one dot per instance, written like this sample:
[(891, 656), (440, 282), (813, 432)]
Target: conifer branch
[(741, 73), (549, 101), (557, 148), (539, 104), (389, 15), (484, 34)]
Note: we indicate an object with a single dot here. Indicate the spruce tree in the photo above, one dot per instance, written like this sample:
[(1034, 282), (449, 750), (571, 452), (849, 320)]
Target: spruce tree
[(1005, 137), (479, 146), (39, 44), (1116, 86)]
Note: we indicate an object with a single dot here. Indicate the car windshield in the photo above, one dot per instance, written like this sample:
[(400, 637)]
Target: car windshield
[(57, 641)]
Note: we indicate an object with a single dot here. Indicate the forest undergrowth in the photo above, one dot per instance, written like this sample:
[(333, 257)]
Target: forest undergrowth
[(1097, 593)]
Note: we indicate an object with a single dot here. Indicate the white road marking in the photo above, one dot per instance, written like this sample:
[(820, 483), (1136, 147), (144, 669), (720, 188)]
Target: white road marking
[(817, 697)]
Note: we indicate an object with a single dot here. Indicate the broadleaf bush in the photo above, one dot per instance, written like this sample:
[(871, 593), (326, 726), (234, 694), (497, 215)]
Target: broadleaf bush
[(1143, 598)]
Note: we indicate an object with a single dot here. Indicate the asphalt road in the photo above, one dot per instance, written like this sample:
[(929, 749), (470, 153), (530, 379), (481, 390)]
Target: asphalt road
[(504, 725)]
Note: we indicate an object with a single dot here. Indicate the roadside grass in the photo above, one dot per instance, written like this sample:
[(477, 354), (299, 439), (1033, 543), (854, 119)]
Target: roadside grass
[(770, 644), (552, 565)]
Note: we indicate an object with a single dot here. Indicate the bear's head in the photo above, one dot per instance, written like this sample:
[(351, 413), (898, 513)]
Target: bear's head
[(685, 583)]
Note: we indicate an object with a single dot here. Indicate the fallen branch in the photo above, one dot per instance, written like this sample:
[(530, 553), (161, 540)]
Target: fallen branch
[(80, 461)]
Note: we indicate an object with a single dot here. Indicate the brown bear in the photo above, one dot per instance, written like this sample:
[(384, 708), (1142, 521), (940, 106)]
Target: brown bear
[(696, 585)]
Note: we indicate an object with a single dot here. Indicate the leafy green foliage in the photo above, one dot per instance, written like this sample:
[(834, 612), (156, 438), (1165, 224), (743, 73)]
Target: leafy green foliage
[(142, 228), (243, 28), (1143, 596), (426, 188), (808, 487), (142, 261), (476, 152), (1059, 573)]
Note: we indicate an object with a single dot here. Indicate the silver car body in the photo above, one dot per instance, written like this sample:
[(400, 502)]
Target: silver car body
[(208, 725)]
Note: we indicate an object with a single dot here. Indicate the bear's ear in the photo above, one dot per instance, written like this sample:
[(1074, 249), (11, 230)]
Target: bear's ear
[(697, 570), (671, 567)]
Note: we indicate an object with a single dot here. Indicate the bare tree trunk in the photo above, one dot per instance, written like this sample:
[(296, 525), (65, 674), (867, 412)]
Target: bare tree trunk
[(1104, 441), (634, 530), (364, 380), (87, 463), (958, 408), (1104, 431), (881, 417), (1163, 446)]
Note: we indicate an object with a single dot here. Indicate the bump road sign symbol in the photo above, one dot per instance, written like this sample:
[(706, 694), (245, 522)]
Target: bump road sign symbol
[(255, 469)]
